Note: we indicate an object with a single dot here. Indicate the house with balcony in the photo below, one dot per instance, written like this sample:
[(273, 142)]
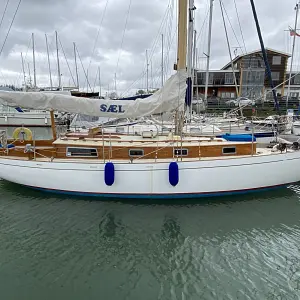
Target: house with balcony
[(247, 78)]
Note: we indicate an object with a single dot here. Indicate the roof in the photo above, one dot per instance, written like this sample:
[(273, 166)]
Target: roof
[(254, 52)]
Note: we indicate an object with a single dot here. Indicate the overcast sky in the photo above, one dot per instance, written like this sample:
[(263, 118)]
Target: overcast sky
[(123, 52)]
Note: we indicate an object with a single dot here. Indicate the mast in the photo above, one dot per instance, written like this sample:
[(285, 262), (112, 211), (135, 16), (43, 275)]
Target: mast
[(264, 55), (33, 57), (99, 81), (76, 67), (293, 51), (87, 80), (194, 71), (181, 56), (49, 66), (147, 73), (29, 75), (116, 83), (58, 65), (162, 60), (23, 68), (208, 50), (189, 91)]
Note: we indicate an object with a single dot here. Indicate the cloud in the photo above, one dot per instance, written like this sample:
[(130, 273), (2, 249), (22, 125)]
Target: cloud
[(120, 53)]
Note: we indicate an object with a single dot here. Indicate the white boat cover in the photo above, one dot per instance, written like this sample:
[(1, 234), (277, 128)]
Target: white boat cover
[(170, 97)]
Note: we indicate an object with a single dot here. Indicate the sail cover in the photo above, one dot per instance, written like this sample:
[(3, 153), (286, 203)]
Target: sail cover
[(170, 97)]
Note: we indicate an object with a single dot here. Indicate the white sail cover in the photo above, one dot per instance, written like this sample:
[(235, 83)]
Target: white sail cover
[(170, 97)]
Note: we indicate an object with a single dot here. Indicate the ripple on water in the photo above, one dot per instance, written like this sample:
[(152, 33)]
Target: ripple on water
[(238, 248)]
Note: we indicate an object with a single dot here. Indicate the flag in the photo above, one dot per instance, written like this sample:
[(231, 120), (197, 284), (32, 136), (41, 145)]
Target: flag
[(293, 32)]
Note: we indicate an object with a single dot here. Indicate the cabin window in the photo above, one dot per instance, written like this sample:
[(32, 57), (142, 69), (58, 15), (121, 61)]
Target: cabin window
[(276, 60), (229, 150), (136, 152), (181, 152), (82, 152)]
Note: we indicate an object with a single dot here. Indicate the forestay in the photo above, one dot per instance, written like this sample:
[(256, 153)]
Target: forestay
[(170, 97)]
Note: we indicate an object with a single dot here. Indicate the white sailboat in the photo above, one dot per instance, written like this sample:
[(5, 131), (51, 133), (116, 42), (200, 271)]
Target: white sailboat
[(125, 166)]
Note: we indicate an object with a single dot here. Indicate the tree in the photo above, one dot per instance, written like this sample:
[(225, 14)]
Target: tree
[(140, 92)]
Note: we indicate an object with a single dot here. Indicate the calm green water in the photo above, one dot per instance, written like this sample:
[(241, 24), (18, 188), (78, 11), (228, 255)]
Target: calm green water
[(54, 247)]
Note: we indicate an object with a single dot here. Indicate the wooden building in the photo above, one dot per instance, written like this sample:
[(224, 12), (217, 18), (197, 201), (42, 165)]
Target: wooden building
[(250, 74)]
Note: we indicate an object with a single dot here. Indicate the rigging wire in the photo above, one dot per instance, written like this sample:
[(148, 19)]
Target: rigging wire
[(11, 23), (154, 45), (228, 44), (98, 32), (222, 4), (4, 12), (239, 21), (62, 48), (85, 74), (123, 36)]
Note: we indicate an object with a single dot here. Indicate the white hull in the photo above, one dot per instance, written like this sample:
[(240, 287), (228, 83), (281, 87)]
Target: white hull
[(151, 180)]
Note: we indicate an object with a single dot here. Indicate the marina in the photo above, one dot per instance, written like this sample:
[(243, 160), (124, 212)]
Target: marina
[(149, 150)]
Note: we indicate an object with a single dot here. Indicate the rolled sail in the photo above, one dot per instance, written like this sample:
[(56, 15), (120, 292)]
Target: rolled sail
[(170, 97)]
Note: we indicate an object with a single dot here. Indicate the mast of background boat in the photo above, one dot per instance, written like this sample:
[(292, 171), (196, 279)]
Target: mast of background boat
[(99, 82), (181, 56), (23, 68), (162, 60), (208, 50), (33, 57), (194, 72), (147, 72), (189, 90), (76, 67), (58, 65), (30, 83), (49, 66), (293, 51), (265, 55)]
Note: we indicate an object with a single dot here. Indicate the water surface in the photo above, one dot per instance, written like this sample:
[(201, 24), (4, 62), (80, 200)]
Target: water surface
[(55, 247)]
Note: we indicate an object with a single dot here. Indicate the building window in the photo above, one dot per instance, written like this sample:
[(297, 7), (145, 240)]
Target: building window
[(276, 60), (297, 79), (229, 150), (227, 95), (81, 152), (275, 76), (229, 78), (294, 95), (210, 78), (181, 152), (136, 152)]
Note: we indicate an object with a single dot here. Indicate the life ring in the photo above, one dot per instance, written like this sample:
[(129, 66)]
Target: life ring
[(22, 133)]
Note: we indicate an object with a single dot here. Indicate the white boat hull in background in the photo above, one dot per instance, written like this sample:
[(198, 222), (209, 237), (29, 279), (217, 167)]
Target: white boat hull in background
[(151, 180), (296, 128), (27, 119)]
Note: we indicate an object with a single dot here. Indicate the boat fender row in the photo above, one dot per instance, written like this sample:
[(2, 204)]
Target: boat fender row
[(109, 173)]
